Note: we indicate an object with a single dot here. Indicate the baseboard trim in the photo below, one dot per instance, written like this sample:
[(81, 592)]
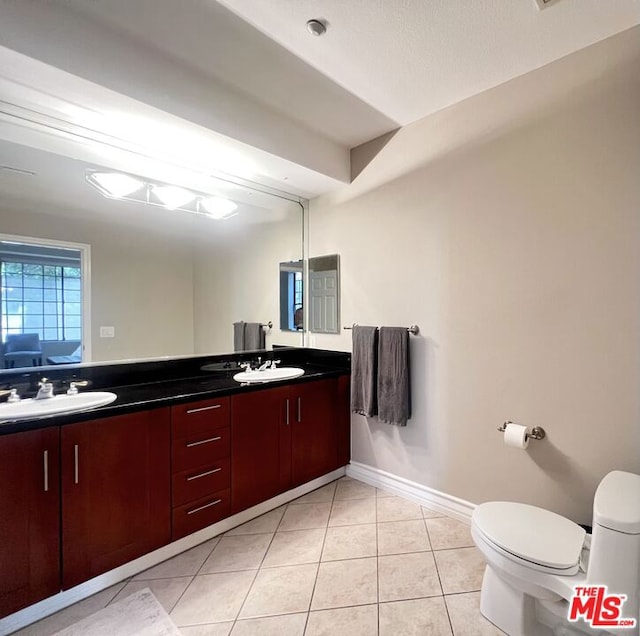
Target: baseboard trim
[(54, 604), (425, 496)]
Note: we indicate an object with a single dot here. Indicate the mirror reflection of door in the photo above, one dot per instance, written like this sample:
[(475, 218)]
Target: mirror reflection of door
[(324, 274), (291, 294), (42, 286)]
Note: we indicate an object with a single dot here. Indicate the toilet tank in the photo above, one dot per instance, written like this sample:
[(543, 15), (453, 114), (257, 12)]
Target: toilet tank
[(614, 558)]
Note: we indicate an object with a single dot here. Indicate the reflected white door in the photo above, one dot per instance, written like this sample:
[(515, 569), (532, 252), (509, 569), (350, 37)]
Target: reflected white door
[(323, 296)]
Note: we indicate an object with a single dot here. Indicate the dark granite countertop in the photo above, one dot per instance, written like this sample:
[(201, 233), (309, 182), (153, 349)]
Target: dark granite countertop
[(160, 391)]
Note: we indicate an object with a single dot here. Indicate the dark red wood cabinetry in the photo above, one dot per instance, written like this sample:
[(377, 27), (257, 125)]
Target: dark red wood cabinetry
[(284, 437), (115, 492), (200, 465), (81, 499), (29, 518), (260, 459), (314, 430)]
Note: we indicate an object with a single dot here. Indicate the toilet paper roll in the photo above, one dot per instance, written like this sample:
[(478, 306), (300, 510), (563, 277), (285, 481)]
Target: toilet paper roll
[(515, 435)]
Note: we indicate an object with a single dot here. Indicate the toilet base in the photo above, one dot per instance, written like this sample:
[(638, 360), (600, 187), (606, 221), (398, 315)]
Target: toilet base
[(518, 614), (508, 608)]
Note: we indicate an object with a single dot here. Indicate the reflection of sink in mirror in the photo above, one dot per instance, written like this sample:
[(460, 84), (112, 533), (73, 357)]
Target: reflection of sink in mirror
[(269, 375), (57, 405)]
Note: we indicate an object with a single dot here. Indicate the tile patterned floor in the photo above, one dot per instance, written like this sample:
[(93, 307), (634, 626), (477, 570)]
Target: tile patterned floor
[(345, 559)]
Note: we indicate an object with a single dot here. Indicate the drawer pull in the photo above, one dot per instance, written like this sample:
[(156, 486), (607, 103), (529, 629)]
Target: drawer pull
[(204, 408), (46, 470), (286, 411), (208, 472), (213, 503), (203, 441), (76, 470)]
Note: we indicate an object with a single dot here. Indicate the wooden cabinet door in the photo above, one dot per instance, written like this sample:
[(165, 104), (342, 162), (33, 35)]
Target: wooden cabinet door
[(116, 503), (314, 430), (29, 518), (260, 442)]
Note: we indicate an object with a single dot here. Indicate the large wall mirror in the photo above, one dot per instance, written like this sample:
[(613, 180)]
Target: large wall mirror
[(160, 282)]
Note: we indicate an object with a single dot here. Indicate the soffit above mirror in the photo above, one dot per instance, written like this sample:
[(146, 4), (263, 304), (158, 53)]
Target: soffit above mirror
[(49, 109)]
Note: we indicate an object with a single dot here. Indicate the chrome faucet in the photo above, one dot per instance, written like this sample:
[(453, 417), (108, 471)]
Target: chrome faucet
[(73, 386), (45, 391), (268, 364), (12, 393)]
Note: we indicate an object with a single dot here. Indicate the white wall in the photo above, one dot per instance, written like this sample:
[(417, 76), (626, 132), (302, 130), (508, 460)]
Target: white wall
[(517, 254)]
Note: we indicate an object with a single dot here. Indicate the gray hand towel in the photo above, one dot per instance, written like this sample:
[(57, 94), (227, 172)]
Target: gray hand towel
[(253, 336), (363, 370), (394, 378), (238, 336)]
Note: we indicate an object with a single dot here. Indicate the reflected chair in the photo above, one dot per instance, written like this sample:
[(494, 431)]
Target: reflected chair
[(22, 347)]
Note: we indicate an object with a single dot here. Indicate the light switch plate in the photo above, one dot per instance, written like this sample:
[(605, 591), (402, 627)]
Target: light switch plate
[(107, 332)]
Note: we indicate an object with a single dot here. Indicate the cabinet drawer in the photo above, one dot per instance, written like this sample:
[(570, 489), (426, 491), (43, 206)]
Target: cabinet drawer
[(190, 485), (199, 450), (200, 514), (199, 418)]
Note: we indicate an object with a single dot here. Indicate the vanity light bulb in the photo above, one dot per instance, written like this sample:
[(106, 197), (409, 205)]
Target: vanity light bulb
[(219, 208), (115, 184), (173, 197)]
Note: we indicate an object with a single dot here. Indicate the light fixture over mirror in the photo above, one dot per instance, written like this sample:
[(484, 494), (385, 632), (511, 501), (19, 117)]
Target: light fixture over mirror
[(114, 185), (118, 185), (172, 197)]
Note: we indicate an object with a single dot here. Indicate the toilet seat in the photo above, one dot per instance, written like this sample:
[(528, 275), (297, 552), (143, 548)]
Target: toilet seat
[(541, 539)]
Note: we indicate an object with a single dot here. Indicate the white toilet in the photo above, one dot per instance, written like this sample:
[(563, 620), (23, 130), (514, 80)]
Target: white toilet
[(536, 557)]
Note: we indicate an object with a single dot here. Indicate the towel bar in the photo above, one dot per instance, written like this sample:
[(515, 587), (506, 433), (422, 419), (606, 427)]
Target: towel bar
[(414, 329)]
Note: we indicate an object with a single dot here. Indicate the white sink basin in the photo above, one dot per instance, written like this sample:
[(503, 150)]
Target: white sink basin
[(57, 405), (268, 375)]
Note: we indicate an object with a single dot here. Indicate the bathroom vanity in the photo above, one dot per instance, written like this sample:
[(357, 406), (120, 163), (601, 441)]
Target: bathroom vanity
[(87, 492)]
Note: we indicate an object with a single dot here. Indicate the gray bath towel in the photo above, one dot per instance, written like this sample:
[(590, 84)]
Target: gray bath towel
[(363, 370), (238, 336), (253, 336), (394, 378)]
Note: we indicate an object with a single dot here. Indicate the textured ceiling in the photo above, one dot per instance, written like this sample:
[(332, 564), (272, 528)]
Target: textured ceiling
[(381, 63), (410, 58), (248, 71)]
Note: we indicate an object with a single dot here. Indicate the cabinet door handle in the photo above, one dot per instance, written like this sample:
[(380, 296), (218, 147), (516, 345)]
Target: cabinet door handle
[(286, 411), (213, 503), (204, 408), (45, 461), (76, 472), (208, 472), (203, 441), (299, 410)]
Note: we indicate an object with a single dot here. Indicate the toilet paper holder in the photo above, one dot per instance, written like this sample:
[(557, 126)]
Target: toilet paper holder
[(537, 432)]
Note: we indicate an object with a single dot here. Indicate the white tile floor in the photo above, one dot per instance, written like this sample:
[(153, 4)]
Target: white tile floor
[(344, 559)]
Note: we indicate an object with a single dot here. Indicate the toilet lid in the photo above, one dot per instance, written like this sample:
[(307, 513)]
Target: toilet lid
[(531, 533)]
